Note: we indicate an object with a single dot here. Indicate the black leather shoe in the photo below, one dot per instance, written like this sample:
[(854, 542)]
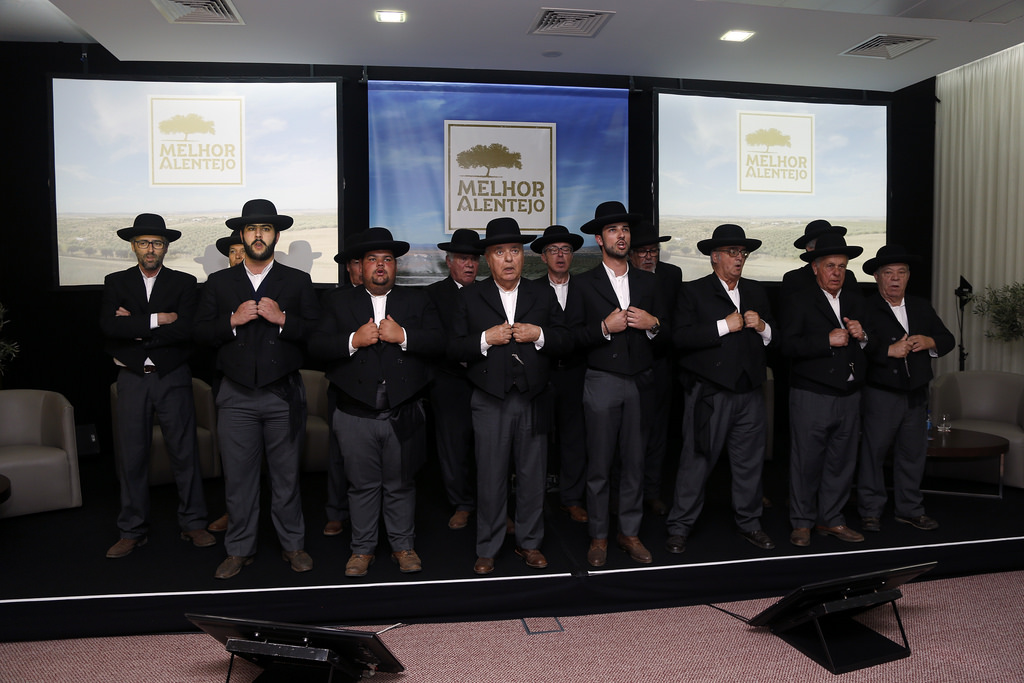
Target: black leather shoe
[(676, 544), (758, 537), (921, 522), (870, 524)]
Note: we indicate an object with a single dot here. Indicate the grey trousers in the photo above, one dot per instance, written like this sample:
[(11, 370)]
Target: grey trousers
[(251, 423), (897, 421)]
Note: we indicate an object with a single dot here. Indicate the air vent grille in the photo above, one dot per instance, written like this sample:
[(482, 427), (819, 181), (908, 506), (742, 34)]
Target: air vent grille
[(887, 46), (583, 23), (198, 11)]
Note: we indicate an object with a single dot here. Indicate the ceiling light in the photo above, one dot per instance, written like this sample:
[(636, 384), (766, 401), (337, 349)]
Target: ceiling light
[(390, 16), (736, 36)]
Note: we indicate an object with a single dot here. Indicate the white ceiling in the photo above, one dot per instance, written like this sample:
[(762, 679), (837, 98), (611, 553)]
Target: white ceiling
[(797, 42)]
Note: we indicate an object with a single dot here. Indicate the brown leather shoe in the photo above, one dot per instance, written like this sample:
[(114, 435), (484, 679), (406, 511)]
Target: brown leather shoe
[(533, 557), (201, 538), (597, 554), (636, 549), (576, 513), (333, 527), (358, 565), (231, 565), (219, 524), (459, 520), (801, 536), (408, 561), (299, 559), (125, 546), (484, 565), (842, 532)]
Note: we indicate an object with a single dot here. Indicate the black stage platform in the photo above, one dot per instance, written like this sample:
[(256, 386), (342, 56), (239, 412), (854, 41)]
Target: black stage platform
[(56, 583)]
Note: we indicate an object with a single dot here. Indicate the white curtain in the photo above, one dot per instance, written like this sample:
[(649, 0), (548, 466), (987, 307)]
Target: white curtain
[(979, 198)]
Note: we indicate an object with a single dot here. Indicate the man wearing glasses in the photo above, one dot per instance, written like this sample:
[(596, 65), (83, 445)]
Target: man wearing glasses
[(556, 247), (146, 317), (257, 316), (722, 325)]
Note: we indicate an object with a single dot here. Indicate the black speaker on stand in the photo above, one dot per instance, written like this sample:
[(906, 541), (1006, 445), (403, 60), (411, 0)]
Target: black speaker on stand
[(963, 293)]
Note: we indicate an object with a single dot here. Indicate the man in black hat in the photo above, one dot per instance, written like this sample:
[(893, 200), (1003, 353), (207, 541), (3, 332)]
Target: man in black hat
[(506, 329), (556, 247), (257, 317), (803, 277), (146, 316), (894, 409), (824, 338), (378, 339), (722, 324), (645, 254), (617, 325), (450, 392)]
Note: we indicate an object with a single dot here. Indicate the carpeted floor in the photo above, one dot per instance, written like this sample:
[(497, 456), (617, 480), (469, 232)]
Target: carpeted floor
[(961, 629)]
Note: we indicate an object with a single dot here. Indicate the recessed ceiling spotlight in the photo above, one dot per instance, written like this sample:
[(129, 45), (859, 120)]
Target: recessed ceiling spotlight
[(390, 16), (736, 36)]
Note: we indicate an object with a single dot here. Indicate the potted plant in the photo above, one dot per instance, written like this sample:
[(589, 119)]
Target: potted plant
[(1005, 310), (8, 349)]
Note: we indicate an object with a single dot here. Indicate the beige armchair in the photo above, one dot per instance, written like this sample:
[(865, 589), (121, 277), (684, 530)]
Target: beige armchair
[(38, 452), (318, 431), (206, 435), (985, 401)]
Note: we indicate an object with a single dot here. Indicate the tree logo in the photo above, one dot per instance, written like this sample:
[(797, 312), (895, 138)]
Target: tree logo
[(494, 155), (187, 124), (770, 137)]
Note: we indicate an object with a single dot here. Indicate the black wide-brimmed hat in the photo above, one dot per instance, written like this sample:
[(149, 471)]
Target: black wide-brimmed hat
[(645, 234), (351, 247), (504, 230), (890, 253), (607, 213), (816, 229), (555, 234), (830, 244), (224, 244), (260, 211), (727, 235), (374, 239), (464, 241), (148, 224)]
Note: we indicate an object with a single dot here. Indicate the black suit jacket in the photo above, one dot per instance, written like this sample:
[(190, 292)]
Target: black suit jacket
[(815, 366), (405, 373), (628, 352), (479, 309), (568, 359), (129, 338), (257, 353), (736, 361), (915, 371), (445, 295)]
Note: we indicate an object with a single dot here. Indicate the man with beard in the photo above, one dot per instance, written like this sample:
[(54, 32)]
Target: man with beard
[(824, 338), (146, 317), (506, 330), (895, 405), (617, 326), (257, 316), (722, 325), (450, 392), (556, 247), (377, 339), (645, 254)]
